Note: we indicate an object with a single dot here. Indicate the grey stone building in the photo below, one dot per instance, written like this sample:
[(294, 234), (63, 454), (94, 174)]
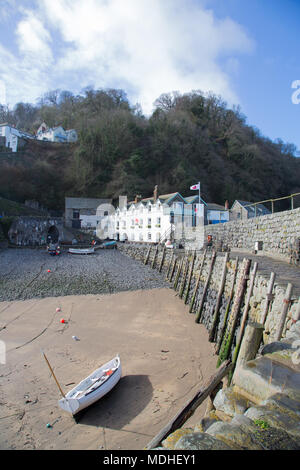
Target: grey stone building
[(85, 212)]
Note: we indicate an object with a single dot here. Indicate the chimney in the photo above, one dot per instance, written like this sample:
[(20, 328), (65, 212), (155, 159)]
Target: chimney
[(226, 205), (155, 193), (138, 197)]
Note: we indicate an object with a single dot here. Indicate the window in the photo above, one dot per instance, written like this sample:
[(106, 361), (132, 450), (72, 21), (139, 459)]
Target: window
[(75, 214), (149, 208), (149, 222), (158, 220), (149, 236)]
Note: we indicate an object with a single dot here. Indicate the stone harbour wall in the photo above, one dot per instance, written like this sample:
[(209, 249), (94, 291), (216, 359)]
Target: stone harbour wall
[(182, 269), (277, 232)]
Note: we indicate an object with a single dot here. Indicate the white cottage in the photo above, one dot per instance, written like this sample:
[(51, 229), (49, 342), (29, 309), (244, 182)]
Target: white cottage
[(12, 136)]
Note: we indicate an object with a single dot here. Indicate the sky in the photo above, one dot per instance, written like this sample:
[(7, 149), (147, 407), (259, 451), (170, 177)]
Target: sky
[(245, 51)]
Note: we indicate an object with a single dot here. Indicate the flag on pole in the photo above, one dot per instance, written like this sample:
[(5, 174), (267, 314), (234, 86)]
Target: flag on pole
[(195, 186)]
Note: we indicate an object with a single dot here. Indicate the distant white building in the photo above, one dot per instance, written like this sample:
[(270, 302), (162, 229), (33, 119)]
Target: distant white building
[(56, 134), (12, 136)]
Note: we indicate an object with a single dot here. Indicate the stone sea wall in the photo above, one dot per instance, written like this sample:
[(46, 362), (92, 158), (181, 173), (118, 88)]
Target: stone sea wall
[(207, 298), (276, 232)]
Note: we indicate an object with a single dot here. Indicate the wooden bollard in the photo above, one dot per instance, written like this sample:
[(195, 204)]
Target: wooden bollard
[(197, 283), (186, 266), (218, 303), (198, 315), (147, 256), (190, 278), (286, 303), (228, 306), (162, 259), (154, 257), (269, 297)]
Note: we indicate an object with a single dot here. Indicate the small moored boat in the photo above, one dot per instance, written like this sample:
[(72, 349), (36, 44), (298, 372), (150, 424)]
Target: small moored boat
[(92, 388), (81, 251)]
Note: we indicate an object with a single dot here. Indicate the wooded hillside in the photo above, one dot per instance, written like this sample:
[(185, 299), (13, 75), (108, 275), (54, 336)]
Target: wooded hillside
[(188, 138)]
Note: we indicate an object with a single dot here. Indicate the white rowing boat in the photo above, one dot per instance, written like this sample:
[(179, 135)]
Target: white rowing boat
[(81, 251), (94, 387)]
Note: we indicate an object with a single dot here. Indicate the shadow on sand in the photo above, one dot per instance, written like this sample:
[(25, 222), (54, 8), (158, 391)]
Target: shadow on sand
[(121, 405)]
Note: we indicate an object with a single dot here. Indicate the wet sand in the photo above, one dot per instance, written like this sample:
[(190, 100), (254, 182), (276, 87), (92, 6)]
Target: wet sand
[(165, 356)]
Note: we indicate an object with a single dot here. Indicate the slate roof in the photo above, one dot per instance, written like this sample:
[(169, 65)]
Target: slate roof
[(260, 208)]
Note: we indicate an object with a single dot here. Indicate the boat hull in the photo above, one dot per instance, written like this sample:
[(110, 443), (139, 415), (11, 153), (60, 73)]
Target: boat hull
[(78, 251), (75, 401)]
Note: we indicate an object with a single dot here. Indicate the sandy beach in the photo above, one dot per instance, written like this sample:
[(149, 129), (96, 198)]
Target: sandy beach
[(165, 360)]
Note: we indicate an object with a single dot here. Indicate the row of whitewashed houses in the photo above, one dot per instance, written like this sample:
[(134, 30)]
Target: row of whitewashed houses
[(164, 217), (10, 137), (159, 218)]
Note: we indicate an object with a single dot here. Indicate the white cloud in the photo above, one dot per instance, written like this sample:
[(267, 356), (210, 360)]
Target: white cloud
[(33, 39), (145, 47)]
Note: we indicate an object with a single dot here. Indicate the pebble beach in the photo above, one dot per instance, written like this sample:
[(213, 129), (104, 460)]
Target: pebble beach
[(24, 274)]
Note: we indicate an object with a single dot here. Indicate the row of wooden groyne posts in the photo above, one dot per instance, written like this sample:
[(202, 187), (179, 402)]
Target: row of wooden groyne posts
[(226, 295)]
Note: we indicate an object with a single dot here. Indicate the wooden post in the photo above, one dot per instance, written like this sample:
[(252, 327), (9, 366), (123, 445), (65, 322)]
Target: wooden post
[(244, 317), (147, 256), (228, 305), (269, 297), (162, 259), (178, 273), (154, 257), (286, 303), (228, 337), (170, 264), (186, 268), (250, 344), (218, 303), (197, 282), (190, 407), (190, 278), (198, 315), (173, 268)]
